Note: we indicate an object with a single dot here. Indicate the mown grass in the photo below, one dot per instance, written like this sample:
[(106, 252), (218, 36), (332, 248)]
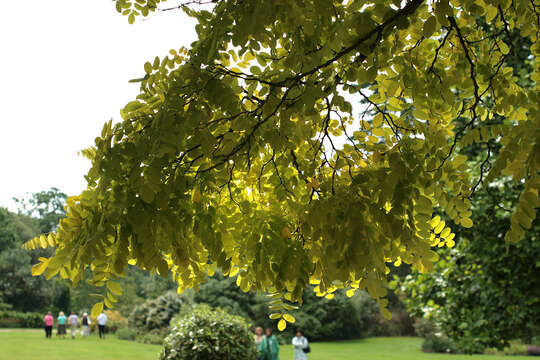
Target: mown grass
[(32, 345)]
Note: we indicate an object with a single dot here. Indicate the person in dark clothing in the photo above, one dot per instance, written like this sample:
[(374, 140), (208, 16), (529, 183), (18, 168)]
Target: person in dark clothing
[(85, 325)]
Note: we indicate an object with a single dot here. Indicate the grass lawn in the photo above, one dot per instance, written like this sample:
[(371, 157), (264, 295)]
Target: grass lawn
[(32, 345)]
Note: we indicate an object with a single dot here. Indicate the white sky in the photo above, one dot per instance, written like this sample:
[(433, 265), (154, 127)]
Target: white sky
[(65, 66)]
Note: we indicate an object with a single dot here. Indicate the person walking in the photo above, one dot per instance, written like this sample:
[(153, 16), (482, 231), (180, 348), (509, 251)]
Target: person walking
[(270, 346), (85, 325), (61, 325), (73, 321), (49, 323), (102, 321), (259, 336), (300, 345)]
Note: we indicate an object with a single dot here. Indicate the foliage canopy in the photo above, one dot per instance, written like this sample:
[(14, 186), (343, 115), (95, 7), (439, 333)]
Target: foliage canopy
[(244, 153)]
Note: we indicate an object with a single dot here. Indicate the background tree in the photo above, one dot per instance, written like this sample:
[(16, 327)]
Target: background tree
[(483, 293), (17, 286), (38, 213), (47, 206), (243, 154)]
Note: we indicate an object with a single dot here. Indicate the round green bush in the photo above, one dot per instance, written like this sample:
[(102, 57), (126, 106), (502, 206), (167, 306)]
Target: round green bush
[(156, 314), (126, 334), (210, 334)]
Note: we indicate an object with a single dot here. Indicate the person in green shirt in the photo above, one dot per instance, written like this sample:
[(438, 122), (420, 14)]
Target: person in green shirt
[(61, 325), (269, 346)]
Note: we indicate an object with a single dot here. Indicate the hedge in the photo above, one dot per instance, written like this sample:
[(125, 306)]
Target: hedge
[(16, 319)]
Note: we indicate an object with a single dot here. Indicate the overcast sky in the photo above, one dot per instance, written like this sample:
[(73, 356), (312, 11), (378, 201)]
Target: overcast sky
[(65, 68)]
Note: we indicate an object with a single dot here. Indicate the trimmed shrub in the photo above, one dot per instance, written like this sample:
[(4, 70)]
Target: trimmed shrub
[(438, 344), (16, 319), (210, 334), (424, 327), (156, 314), (514, 348), (126, 334), (115, 321), (153, 337)]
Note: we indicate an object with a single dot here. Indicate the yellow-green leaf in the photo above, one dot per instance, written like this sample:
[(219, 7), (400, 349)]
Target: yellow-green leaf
[(386, 313), (439, 227), (435, 221), (445, 233), (38, 269), (289, 318), (466, 222), (96, 310), (43, 241), (114, 288), (50, 239)]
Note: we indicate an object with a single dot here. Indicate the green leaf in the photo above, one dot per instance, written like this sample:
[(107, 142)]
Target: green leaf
[(429, 26), (147, 194), (148, 67)]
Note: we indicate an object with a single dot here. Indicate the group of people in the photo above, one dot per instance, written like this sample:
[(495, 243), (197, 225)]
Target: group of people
[(73, 322), (268, 345)]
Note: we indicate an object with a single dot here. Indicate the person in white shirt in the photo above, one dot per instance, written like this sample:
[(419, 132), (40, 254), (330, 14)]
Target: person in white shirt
[(73, 321), (299, 343), (102, 321)]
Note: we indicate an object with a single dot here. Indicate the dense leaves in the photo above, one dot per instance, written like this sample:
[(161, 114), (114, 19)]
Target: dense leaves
[(210, 334), (244, 153)]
